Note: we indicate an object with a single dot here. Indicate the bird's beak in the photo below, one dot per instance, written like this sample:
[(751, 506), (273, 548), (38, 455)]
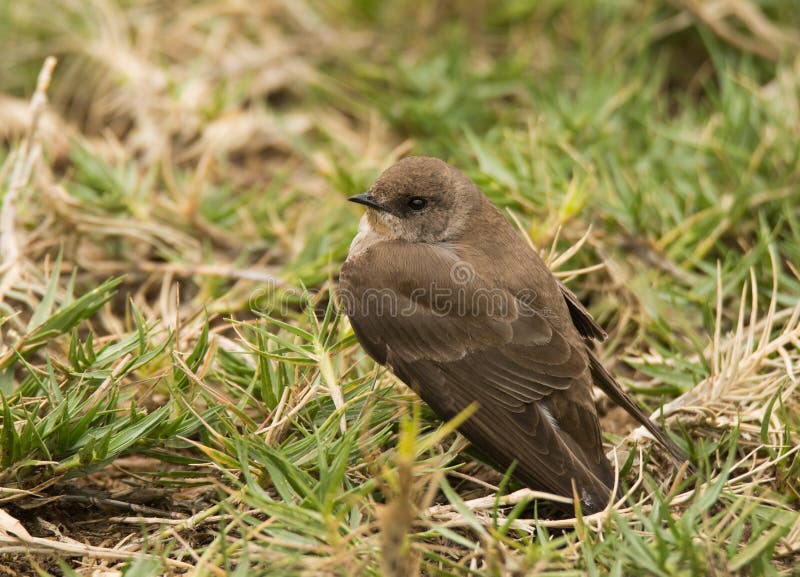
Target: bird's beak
[(368, 200)]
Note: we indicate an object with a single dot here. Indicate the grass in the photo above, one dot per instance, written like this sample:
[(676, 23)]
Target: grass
[(179, 395)]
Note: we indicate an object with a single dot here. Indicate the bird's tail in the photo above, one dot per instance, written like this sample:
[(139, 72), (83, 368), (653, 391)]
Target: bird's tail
[(611, 387)]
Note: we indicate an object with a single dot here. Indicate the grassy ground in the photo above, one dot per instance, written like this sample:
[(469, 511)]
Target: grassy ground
[(178, 394)]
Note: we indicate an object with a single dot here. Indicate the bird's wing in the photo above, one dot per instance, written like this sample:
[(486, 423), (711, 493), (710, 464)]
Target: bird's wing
[(407, 302), (553, 441), (456, 339)]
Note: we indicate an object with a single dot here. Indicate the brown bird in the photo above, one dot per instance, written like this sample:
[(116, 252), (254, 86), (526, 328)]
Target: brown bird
[(441, 290)]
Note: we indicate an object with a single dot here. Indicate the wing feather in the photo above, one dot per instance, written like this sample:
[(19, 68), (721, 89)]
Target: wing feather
[(507, 357)]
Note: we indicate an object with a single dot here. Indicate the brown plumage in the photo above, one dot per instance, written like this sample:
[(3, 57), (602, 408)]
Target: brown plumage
[(441, 290)]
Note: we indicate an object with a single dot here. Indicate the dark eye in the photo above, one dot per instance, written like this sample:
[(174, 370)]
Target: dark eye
[(417, 203)]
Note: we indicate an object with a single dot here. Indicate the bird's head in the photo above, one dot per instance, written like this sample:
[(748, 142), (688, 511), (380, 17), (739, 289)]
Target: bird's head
[(420, 199)]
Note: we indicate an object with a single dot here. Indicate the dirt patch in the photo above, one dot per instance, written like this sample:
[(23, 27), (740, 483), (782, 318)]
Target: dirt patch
[(116, 508), (617, 421)]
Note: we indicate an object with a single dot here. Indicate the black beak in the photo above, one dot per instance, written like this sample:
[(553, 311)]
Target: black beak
[(368, 200)]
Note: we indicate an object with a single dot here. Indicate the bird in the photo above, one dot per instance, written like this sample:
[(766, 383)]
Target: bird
[(440, 289)]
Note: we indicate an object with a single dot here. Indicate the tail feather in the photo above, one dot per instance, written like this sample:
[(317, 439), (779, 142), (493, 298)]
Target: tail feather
[(610, 387)]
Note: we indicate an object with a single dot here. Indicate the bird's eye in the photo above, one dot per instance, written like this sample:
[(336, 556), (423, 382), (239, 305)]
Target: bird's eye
[(417, 203)]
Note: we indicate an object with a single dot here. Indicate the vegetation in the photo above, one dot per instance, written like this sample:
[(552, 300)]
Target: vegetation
[(179, 394)]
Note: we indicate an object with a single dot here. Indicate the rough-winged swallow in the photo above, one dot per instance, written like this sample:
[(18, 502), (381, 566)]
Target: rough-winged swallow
[(441, 290)]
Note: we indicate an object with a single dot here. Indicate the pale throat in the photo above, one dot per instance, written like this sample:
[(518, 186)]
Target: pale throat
[(366, 237), (376, 222)]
